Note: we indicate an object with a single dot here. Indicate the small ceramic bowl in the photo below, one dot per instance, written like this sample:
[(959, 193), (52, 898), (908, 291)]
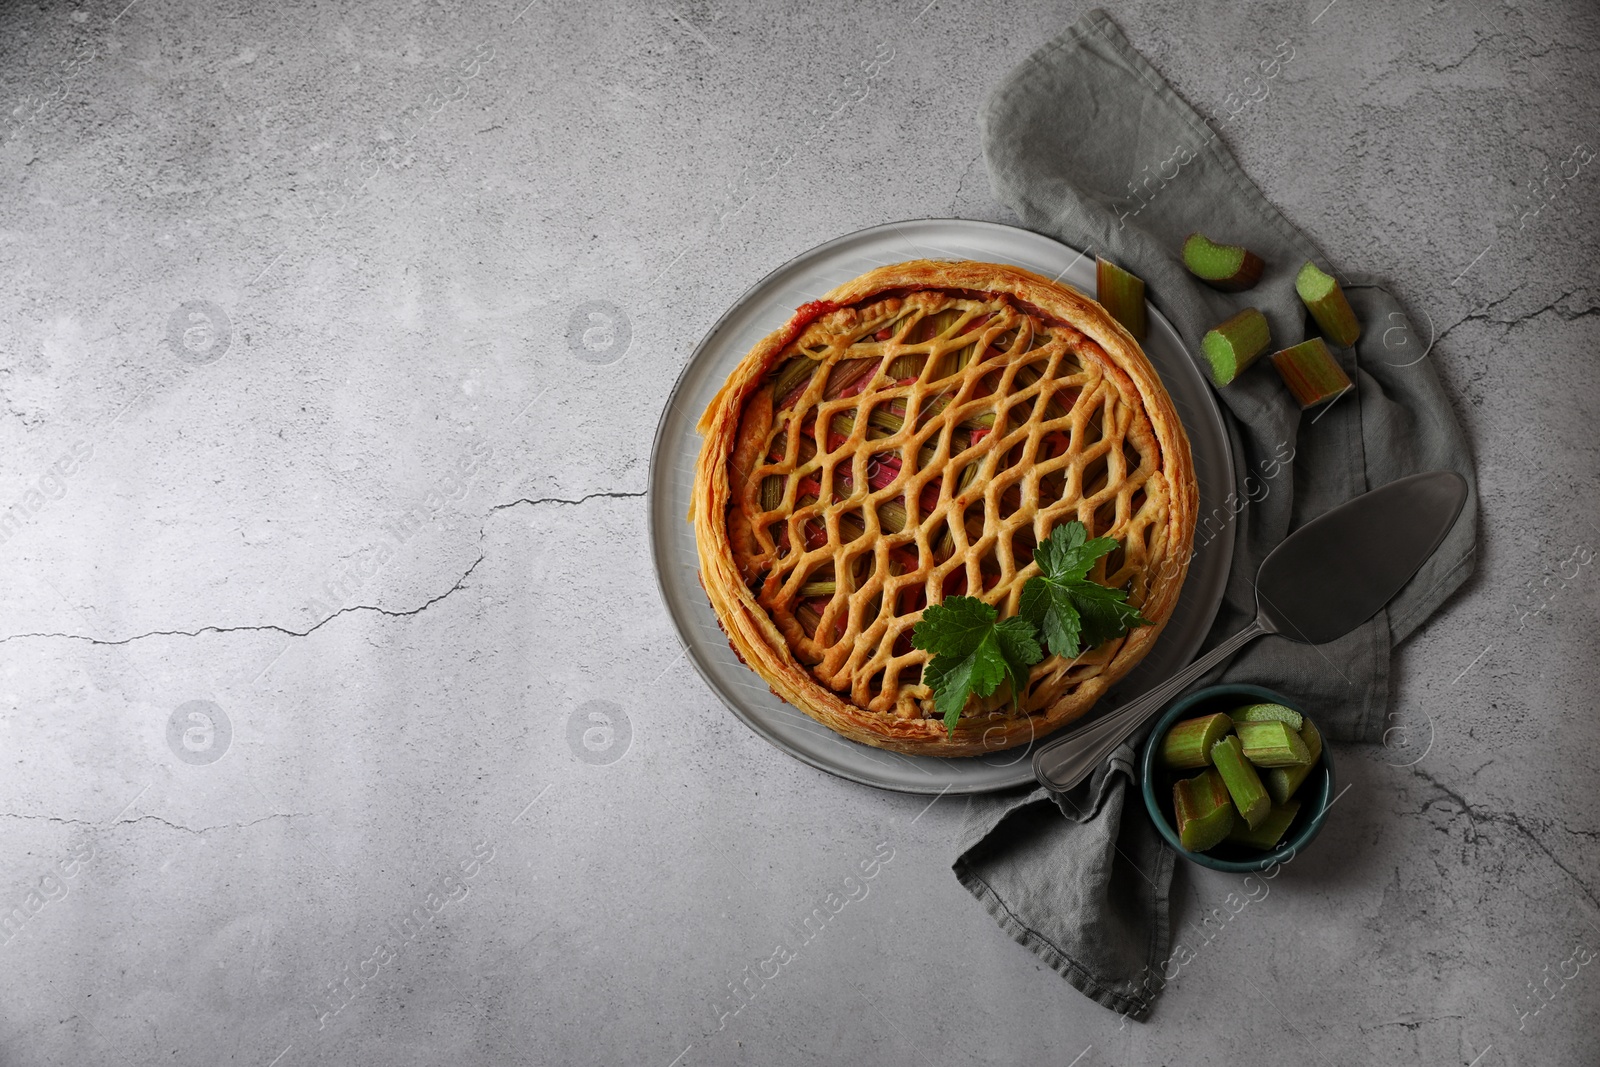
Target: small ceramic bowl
[(1315, 794)]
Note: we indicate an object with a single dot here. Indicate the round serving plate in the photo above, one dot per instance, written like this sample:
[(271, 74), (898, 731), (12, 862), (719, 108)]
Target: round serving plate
[(767, 306)]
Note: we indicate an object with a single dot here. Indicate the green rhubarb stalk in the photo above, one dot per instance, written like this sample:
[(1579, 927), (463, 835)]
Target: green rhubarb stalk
[(1203, 811), (845, 374), (819, 589), (1188, 744), (1271, 829), (771, 492), (1231, 268), (1243, 783), (885, 420), (1311, 372), (794, 372), (808, 618), (1269, 713), (1283, 781), (906, 366), (1272, 744), (1235, 344), (1326, 301), (936, 324), (1122, 294), (879, 419)]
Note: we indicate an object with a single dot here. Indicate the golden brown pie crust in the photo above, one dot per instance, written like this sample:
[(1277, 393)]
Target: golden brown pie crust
[(885, 509)]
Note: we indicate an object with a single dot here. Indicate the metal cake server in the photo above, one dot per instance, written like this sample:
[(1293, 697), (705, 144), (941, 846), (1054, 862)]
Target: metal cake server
[(1324, 580)]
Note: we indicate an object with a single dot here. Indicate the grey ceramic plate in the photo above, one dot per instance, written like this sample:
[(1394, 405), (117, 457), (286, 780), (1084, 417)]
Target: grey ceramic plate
[(767, 306)]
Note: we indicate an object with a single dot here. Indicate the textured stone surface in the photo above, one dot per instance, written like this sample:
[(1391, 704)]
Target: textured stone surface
[(278, 277)]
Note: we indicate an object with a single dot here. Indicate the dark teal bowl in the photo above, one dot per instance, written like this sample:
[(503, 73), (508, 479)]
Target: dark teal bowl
[(1315, 794)]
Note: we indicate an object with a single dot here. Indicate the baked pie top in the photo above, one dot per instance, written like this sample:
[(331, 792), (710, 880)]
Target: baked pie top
[(913, 436)]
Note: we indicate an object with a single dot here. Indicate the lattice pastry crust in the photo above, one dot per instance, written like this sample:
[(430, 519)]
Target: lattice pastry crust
[(911, 436)]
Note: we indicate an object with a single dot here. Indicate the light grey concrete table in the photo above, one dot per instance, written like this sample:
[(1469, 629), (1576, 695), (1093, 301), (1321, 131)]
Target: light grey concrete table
[(339, 718)]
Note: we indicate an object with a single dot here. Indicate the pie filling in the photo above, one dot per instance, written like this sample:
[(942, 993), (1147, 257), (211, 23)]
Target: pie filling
[(918, 445)]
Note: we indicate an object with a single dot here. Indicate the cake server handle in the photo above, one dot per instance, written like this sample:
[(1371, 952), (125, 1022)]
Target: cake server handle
[(1069, 759)]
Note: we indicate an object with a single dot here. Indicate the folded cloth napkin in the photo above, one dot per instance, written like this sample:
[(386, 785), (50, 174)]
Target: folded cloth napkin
[(1087, 143)]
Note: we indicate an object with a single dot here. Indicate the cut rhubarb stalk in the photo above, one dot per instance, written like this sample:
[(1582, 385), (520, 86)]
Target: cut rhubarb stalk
[(935, 325), (1270, 713), (851, 528), (1311, 372), (1231, 268), (1057, 443), (1267, 835), (977, 427), (932, 406), (882, 469), (1243, 783), (1188, 744), (780, 443), (792, 380), (1272, 744), (849, 377), (771, 492), (811, 589), (1327, 304), (884, 419), (1235, 344), (1203, 810), (1122, 294), (1283, 781), (906, 366)]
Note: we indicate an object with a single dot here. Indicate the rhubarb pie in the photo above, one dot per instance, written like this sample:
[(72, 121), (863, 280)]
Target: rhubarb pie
[(913, 436)]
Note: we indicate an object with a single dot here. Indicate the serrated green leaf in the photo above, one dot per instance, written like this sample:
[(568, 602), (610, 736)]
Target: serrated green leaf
[(1066, 555), (1019, 645), (953, 628), (1048, 605), (1105, 612), (972, 653), (1071, 612), (955, 678)]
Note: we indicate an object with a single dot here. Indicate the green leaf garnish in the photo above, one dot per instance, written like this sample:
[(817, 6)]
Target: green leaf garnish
[(972, 653), (1071, 612), (974, 650)]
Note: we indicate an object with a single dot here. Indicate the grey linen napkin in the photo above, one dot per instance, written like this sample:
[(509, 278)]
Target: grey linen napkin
[(1087, 143)]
